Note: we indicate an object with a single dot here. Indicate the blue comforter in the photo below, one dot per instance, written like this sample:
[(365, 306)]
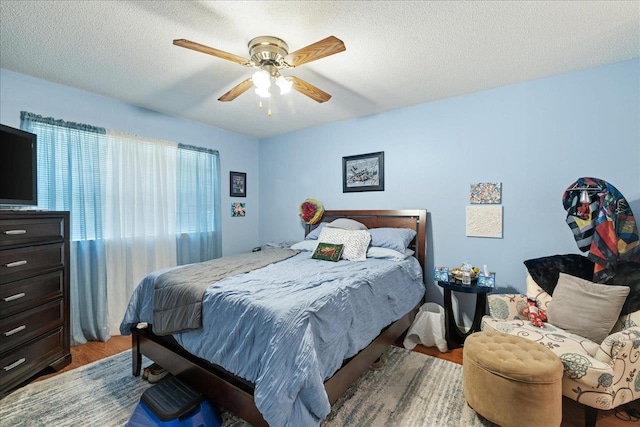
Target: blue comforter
[(289, 326)]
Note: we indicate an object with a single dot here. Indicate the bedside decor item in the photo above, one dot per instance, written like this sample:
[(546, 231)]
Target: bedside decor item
[(364, 172), (237, 184), (311, 211), (328, 252)]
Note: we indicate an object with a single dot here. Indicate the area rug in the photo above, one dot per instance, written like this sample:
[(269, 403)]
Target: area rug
[(412, 389)]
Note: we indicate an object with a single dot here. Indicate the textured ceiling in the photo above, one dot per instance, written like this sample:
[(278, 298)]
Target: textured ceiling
[(398, 53)]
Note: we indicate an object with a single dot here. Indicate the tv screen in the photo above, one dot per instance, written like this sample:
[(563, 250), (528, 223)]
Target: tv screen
[(18, 167)]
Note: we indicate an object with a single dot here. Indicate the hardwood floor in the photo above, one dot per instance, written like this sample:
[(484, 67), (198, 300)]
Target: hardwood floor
[(573, 413)]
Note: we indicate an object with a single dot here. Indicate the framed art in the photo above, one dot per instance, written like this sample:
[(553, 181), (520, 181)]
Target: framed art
[(364, 172), (238, 209), (238, 184)]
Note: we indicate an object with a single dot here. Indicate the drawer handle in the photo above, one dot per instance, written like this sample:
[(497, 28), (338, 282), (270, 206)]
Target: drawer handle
[(16, 263), (14, 232), (14, 364), (14, 297), (15, 330)]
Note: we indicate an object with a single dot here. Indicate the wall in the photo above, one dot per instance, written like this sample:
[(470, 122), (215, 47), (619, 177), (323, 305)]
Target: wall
[(20, 92), (536, 138)]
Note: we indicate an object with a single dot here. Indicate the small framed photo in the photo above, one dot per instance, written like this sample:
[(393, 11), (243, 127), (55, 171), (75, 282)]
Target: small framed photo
[(238, 209), (238, 184), (364, 172)]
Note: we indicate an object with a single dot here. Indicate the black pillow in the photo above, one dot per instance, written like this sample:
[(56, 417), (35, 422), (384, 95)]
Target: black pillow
[(546, 270), (628, 274)]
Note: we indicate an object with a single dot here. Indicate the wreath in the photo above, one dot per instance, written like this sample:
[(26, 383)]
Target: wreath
[(311, 211)]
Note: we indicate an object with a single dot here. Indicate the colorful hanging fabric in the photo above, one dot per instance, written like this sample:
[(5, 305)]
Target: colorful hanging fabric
[(604, 226)]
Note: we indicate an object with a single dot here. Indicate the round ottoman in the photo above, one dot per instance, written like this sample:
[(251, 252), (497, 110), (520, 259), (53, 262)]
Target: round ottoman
[(512, 381)]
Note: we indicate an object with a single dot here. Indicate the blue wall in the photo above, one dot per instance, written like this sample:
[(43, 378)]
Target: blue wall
[(536, 138), (19, 92)]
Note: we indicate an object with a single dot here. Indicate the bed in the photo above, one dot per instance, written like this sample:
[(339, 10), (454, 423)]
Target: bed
[(191, 358)]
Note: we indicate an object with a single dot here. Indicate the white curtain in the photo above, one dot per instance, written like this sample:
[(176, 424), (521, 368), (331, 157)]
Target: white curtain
[(140, 215)]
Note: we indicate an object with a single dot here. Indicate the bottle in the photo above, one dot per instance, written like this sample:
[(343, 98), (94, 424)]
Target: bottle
[(466, 273)]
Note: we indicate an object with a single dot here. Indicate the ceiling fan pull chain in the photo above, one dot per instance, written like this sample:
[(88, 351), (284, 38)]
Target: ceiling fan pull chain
[(269, 112)]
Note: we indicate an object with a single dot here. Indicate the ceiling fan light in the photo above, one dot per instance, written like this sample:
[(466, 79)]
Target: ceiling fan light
[(284, 85), (263, 92), (261, 79)]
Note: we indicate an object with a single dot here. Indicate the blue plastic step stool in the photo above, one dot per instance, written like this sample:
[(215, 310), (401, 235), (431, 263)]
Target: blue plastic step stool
[(172, 403)]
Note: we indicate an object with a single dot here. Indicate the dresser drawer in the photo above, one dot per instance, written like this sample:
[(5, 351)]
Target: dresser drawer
[(29, 231), (30, 261), (20, 328), (26, 293), (30, 359)]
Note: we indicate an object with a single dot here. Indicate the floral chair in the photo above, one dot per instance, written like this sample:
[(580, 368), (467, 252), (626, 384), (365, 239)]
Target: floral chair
[(598, 375)]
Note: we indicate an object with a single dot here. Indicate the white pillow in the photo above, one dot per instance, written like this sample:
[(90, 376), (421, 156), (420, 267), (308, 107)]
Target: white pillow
[(347, 224), (355, 242)]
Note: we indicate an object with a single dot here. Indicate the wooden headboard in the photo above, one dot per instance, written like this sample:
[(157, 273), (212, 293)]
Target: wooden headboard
[(415, 219)]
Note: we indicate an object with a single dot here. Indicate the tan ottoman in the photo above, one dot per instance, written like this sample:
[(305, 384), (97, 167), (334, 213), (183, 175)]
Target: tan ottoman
[(512, 381)]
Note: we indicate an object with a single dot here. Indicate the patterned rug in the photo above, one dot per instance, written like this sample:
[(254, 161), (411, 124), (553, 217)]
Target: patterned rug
[(411, 390)]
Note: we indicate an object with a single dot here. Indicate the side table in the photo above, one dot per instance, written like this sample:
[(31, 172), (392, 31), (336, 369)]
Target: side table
[(455, 337)]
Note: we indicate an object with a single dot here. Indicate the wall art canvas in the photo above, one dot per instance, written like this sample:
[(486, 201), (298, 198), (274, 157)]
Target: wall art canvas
[(484, 221), (364, 172), (486, 193), (237, 209)]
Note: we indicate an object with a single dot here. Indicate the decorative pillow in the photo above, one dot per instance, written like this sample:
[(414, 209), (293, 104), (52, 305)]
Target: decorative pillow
[(355, 242), (305, 245), (385, 253), (507, 306), (534, 291), (328, 252), (347, 224), (545, 270), (313, 234), (585, 308), (392, 238)]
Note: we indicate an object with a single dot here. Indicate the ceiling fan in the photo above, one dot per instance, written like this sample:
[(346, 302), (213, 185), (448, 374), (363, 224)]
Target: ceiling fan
[(270, 55)]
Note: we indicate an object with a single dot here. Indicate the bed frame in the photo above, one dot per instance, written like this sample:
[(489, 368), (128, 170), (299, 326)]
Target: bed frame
[(236, 394)]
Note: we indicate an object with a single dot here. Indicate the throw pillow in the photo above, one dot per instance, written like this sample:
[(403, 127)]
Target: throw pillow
[(328, 252), (392, 238), (545, 270), (347, 224), (585, 308), (355, 242)]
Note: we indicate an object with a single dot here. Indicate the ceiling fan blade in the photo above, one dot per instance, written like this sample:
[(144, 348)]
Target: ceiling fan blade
[(211, 51), (329, 46), (310, 90), (236, 91)]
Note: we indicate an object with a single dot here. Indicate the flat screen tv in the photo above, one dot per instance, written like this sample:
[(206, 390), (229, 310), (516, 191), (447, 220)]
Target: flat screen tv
[(18, 167)]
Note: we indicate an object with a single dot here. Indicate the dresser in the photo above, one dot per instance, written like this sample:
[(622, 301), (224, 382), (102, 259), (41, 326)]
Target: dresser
[(34, 294)]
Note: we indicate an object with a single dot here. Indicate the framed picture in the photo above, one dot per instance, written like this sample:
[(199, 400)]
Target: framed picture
[(238, 184), (238, 209), (364, 172)]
